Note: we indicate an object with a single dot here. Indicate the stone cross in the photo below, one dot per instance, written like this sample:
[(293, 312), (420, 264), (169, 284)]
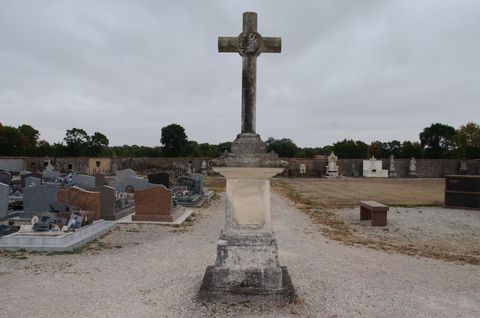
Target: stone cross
[(249, 44)]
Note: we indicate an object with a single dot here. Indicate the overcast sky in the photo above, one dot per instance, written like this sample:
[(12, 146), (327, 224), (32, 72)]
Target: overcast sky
[(367, 70)]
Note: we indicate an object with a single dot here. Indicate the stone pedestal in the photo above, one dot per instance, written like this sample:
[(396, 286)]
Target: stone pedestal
[(247, 252)]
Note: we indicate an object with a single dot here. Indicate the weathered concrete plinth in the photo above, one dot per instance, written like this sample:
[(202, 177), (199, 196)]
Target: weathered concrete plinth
[(247, 252)]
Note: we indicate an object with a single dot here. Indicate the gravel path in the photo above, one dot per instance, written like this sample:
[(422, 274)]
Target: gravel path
[(451, 230), (155, 271)]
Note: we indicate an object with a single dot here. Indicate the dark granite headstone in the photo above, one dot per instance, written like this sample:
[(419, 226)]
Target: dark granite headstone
[(24, 175), (107, 202), (100, 179), (32, 182), (37, 200), (84, 181), (198, 186), (185, 181), (162, 178), (5, 177), (4, 191)]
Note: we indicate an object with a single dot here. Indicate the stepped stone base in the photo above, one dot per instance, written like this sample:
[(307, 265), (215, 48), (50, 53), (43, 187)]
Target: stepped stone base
[(247, 266), (210, 293)]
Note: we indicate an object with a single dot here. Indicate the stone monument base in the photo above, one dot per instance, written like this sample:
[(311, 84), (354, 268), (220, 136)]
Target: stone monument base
[(332, 174), (248, 143), (210, 293)]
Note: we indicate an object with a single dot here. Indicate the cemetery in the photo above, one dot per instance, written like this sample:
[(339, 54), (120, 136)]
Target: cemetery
[(247, 233), (63, 211)]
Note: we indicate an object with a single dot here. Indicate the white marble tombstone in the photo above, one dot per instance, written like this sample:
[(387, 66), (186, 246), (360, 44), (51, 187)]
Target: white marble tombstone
[(412, 168), (392, 170), (303, 168), (372, 168), (332, 168)]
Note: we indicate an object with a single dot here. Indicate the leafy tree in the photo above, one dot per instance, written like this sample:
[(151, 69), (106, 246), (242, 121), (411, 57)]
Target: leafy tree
[(380, 149), (225, 146), (58, 149), (77, 141), (350, 149), (437, 140), (43, 148), (174, 140), (30, 138), (284, 147), (193, 149), (305, 153), (376, 149), (96, 143), (207, 150), (410, 149), (12, 142), (467, 140)]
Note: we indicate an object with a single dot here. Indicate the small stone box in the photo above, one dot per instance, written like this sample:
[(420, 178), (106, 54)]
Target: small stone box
[(372, 210)]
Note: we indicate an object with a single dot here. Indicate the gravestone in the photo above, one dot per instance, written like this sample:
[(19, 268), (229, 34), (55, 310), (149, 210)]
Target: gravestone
[(198, 186), (332, 168), (83, 199), (24, 175), (133, 183), (373, 169), (392, 170), (247, 250), (412, 168), (107, 202), (186, 181), (51, 175), (100, 179), (24, 172), (5, 177), (84, 181), (462, 192), (162, 178), (37, 200), (127, 180), (463, 166), (32, 182), (4, 192), (125, 173), (303, 168), (155, 204)]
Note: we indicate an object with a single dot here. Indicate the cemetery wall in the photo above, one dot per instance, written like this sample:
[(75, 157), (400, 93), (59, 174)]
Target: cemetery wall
[(62, 164), (176, 165), (12, 164), (426, 168)]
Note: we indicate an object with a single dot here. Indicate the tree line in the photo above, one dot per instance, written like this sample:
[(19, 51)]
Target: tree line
[(436, 142)]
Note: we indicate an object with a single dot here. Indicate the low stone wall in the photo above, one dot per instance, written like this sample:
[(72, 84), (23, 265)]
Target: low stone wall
[(426, 168)]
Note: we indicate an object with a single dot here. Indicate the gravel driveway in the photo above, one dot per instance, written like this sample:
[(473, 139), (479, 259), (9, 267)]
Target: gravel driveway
[(155, 271)]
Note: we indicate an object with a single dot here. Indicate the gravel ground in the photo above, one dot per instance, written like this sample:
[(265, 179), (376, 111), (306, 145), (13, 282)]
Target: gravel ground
[(155, 271), (450, 230)]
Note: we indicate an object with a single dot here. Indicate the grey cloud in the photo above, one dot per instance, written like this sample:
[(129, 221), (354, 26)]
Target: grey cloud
[(349, 69)]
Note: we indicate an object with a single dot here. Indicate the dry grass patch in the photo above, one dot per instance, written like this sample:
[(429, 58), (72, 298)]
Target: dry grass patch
[(320, 198), (217, 184)]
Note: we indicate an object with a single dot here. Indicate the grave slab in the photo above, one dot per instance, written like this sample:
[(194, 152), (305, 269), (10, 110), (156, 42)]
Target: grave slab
[(55, 241)]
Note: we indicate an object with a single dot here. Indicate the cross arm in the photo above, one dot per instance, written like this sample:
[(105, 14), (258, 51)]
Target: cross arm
[(227, 44), (272, 45)]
